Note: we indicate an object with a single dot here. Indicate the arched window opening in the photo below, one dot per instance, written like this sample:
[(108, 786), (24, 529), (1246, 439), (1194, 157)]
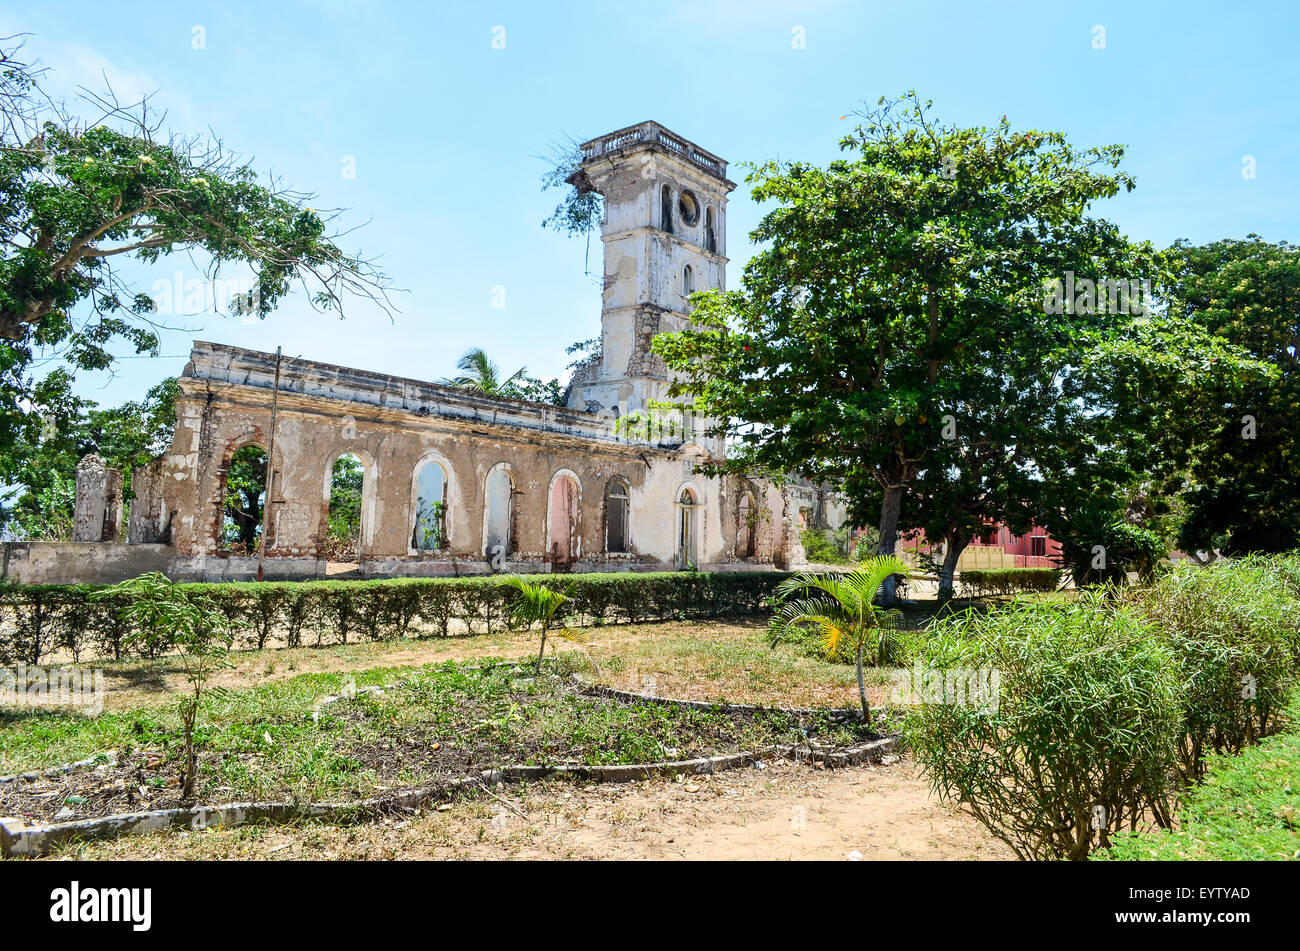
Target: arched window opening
[(430, 532), (616, 511), (242, 501), (562, 537), (688, 281), (498, 535), (747, 526), (710, 235), (666, 209), (343, 524), (687, 530)]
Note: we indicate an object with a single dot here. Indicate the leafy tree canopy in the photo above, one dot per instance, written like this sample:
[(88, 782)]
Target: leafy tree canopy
[(80, 193)]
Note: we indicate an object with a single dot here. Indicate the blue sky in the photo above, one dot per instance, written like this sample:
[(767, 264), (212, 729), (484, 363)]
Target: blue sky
[(444, 129)]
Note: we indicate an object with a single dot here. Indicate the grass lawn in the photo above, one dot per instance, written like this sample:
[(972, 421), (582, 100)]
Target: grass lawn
[(1247, 808), (272, 739), (696, 660), (263, 734)]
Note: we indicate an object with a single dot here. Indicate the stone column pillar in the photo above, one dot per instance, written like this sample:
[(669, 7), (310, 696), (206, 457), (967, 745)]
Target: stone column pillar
[(97, 512)]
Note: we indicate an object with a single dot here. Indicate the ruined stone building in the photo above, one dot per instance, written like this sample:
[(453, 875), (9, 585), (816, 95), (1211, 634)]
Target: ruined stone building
[(457, 482)]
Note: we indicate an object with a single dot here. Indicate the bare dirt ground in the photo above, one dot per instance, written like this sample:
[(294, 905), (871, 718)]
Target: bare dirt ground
[(783, 812)]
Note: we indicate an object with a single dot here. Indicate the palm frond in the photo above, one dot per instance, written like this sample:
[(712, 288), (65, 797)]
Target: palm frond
[(573, 635)]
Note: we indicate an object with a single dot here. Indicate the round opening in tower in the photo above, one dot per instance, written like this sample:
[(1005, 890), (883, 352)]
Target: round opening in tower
[(688, 208)]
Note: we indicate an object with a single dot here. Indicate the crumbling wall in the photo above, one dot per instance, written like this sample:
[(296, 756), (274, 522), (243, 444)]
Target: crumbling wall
[(147, 521), (97, 510), (324, 412)]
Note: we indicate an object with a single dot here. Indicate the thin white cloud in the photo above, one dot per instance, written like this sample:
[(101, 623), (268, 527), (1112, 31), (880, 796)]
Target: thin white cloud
[(74, 66)]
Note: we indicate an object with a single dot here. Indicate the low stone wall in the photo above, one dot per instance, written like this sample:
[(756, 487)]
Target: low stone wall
[(242, 568), (81, 562)]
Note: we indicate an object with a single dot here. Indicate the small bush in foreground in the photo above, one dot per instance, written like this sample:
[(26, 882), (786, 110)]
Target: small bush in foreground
[(1080, 741), (842, 608), (162, 613), (538, 604)]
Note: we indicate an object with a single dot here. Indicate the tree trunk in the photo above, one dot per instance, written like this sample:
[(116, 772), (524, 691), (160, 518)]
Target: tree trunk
[(862, 686), (890, 510), (953, 546), (542, 650)]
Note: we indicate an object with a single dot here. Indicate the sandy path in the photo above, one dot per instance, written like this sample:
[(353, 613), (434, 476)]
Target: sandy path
[(786, 811)]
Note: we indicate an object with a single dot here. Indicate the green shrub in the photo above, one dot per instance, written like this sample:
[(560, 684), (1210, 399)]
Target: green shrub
[(1232, 631), (823, 547), (1248, 808), (1081, 739), (40, 620), (990, 582)]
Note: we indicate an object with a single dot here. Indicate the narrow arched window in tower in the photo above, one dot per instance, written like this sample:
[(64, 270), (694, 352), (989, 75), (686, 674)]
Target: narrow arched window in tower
[(688, 281), (710, 235), (616, 517), (666, 210)]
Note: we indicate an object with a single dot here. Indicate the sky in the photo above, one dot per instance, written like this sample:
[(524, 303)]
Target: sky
[(441, 112)]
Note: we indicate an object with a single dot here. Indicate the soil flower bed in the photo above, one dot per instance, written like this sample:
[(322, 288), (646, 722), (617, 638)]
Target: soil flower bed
[(279, 742)]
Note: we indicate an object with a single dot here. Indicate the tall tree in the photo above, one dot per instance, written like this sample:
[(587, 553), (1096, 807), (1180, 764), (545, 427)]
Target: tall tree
[(79, 194), (1242, 449), (890, 284)]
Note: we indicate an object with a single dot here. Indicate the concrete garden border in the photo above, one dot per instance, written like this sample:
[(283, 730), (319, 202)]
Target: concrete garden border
[(17, 838)]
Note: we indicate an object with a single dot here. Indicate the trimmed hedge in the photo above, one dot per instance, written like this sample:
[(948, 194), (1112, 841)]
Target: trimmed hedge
[(987, 582), (42, 620)]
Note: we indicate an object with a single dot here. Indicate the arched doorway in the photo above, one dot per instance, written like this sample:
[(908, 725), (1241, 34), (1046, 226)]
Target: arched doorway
[(347, 480), (746, 525), (688, 529), (243, 497), (562, 522), (498, 514), (616, 511)]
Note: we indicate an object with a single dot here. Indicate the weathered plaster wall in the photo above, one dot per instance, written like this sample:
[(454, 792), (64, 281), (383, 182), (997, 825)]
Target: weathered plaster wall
[(393, 426), (147, 522), (81, 563)]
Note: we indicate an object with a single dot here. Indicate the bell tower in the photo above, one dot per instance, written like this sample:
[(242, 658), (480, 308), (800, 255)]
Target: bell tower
[(665, 236)]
